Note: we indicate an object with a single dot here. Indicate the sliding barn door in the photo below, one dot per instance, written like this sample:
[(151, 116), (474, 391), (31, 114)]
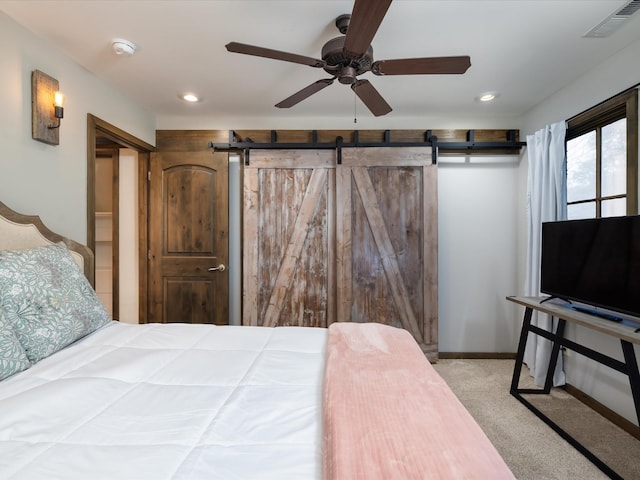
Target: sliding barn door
[(289, 255), (387, 240), (351, 242)]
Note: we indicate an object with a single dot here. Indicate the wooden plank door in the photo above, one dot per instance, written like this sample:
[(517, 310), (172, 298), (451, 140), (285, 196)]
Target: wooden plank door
[(188, 238), (288, 229), (387, 240)]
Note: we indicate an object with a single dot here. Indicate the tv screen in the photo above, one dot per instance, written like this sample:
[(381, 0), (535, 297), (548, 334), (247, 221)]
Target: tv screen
[(594, 261)]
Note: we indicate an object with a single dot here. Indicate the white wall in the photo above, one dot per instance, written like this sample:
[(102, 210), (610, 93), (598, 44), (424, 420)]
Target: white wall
[(477, 247), (128, 212), (46, 180), (618, 73), (235, 245)]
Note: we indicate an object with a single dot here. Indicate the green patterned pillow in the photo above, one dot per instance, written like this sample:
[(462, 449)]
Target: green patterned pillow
[(13, 359), (47, 299)]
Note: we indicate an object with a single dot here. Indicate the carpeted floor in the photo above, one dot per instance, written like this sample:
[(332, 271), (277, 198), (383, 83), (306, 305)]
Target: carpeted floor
[(532, 450)]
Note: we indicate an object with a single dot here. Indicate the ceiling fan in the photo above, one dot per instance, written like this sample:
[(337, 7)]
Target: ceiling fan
[(349, 56)]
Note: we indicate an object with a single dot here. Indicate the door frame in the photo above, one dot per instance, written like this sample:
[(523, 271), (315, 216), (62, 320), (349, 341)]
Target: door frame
[(98, 129)]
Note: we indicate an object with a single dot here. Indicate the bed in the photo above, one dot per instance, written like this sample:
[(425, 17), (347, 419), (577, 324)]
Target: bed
[(83, 396)]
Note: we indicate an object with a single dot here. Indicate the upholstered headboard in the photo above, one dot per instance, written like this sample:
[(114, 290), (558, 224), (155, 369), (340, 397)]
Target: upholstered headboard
[(19, 231)]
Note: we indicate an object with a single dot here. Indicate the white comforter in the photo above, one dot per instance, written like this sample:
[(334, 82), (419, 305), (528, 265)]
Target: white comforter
[(169, 402)]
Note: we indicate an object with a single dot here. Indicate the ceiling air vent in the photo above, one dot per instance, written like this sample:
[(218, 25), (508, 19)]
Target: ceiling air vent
[(614, 21)]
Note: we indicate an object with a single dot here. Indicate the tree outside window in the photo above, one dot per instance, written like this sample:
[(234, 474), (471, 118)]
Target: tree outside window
[(602, 159)]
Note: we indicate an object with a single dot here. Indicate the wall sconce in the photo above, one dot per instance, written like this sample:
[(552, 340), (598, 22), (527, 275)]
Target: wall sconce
[(58, 108), (46, 108)]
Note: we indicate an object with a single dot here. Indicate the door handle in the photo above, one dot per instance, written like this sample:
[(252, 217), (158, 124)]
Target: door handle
[(219, 268)]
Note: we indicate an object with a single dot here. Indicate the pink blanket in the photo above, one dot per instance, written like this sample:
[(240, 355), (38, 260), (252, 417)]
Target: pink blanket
[(389, 415)]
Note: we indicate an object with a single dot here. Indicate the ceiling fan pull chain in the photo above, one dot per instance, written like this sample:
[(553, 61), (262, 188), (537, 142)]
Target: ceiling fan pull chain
[(355, 118)]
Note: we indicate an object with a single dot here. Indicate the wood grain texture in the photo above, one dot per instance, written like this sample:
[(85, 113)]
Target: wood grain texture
[(250, 250), (188, 225), (291, 159), (189, 213), (287, 238), (43, 89), (293, 255), (351, 242), (430, 253), (344, 252), (189, 140), (398, 218), (191, 300), (364, 136), (387, 245)]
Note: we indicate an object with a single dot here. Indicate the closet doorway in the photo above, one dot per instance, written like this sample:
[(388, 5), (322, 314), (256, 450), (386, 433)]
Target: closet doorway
[(107, 230), (117, 166)]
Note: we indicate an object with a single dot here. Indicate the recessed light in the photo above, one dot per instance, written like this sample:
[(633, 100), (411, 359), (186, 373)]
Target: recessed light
[(190, 97), (487, 97)]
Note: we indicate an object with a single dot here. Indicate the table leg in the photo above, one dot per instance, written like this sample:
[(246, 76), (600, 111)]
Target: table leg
[(526, 322), (555, 351), (634, 374)]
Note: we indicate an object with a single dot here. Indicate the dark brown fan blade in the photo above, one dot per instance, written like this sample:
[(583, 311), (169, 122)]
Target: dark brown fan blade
[(274, 54), (371, 98), (422, 66), (306, 92), (366, 17)]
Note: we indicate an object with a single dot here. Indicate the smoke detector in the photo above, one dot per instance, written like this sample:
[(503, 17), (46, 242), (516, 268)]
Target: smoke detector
[(123, 47)]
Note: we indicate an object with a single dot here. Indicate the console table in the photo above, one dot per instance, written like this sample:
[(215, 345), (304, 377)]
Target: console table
[(564, 313)]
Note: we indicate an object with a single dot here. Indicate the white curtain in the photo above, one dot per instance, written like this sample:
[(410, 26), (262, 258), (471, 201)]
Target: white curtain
[(546, 201)]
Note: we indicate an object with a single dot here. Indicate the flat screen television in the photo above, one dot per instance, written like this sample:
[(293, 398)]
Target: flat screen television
[(594, 261)]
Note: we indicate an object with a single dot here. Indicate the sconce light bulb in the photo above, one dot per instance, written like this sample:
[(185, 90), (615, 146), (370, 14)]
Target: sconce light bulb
[(58, 110), (58, 99)]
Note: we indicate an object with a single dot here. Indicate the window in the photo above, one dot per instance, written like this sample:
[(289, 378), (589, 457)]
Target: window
[(602, 159)]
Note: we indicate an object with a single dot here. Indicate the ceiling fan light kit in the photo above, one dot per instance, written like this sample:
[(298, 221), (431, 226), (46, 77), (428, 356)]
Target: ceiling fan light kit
[(351, 55)]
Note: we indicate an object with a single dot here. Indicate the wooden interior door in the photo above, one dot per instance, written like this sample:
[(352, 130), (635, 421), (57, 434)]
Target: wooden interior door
[(188, 237), (387, 240), (288, 253)]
